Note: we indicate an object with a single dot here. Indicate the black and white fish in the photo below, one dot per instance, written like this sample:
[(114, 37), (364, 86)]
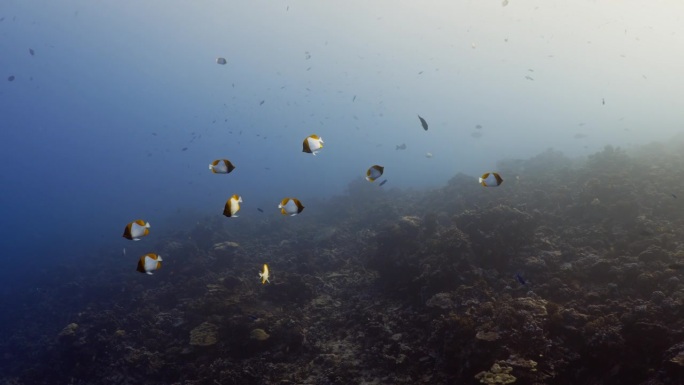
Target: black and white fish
[(221, 166), (374, 172), (490, 179), (136, 230)]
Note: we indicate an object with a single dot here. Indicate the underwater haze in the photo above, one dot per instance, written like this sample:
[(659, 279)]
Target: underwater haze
[(95, 122), (112, 111)]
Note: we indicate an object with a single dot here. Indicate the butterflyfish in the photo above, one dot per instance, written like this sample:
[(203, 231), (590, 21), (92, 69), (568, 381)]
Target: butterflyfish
[(312, 144), (374, 173), (232, 206), (136, 229), (290, 206), (423, 123), (264, 275), (221, 166), (490, 179), (149, 263), (221, 61)]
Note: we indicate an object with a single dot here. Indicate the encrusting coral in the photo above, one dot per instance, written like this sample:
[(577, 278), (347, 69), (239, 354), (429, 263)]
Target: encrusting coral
[(204, 335), (496, 375)]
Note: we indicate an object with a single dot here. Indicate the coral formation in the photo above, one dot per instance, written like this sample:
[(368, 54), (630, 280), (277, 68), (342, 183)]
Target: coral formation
[(496, 375), (259, 335), (204, 335)]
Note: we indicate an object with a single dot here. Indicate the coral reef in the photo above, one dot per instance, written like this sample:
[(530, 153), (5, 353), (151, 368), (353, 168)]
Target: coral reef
[(570, 272)]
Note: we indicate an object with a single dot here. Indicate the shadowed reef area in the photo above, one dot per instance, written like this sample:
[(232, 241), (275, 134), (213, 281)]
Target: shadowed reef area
[(570, 272)]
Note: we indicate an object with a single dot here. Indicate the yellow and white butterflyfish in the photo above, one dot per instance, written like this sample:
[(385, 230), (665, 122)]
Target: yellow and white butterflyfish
[(374, 173), (290, 206), (312, 144), (221, 166), (136, 229), (149, 263), (490, 179), (264, 275), (232, 206)]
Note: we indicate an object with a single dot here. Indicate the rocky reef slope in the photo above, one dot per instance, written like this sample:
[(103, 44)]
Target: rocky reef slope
[(568, 273)]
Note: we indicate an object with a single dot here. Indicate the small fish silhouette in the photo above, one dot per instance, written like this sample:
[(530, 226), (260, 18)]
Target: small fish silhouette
[(520, 279)]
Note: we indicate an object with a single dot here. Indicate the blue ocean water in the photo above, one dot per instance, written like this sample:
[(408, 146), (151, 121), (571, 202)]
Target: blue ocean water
[(114, 110)]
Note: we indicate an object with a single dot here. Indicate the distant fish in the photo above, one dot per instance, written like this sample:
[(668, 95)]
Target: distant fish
[(354, 98), (529, 77), (261, 103), (149, 263), (504, 3), (401, 146), (260, 210), (221, 166), (428, 155), (221, 61), (232, 206), (264, 275), (477, 126), (11, 78), (312, 144), (184, 149), (673, 195), (520, 279), (382, 183), (423, 123), (31, 52), (136, 230), (290, 206), (124, 252), (374, 172), (490, 179)]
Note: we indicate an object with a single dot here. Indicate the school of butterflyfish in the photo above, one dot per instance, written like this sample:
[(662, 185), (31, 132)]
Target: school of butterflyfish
[(289, 206)]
